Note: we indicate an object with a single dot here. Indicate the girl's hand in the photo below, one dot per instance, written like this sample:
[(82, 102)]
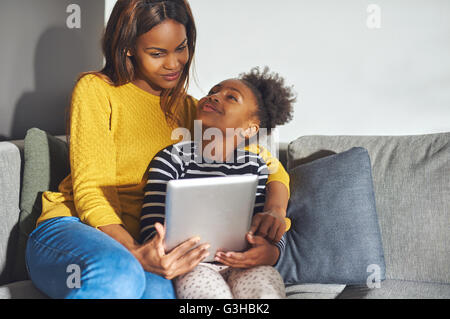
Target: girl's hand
[(261, 253), (179, 261), (269, 224)]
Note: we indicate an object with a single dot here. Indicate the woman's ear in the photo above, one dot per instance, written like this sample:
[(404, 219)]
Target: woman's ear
[(130, 53)]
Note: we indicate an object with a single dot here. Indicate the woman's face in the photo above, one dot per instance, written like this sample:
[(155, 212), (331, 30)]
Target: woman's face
[(161, 55), (229, 104)]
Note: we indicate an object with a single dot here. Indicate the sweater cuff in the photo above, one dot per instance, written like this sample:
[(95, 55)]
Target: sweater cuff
[(282, 177), (101, 216)]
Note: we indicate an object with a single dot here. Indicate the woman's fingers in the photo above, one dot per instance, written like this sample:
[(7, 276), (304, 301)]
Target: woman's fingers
[(255, 223), (160, 230), (187, 261), (257, 240), (265, 225), (277, 231), (181, 259), (269, 226), (184, 248), (194, 257), (280, 232), (272, 233), (160, 234)]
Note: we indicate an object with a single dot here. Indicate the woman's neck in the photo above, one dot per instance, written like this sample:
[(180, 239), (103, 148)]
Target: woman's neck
[(146, 86)]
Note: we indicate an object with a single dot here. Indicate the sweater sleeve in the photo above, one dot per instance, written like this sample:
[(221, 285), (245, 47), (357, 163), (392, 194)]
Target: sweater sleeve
[(276, 169), (93, 155)]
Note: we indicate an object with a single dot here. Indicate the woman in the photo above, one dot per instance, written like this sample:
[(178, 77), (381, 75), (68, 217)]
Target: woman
[(120, 117)]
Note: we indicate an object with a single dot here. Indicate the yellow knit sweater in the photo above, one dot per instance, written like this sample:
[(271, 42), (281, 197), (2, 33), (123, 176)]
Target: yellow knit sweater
[(115, 132)]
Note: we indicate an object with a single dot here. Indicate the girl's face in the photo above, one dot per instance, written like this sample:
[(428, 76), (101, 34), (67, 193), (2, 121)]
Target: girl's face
[(161, 55), (229, 104)]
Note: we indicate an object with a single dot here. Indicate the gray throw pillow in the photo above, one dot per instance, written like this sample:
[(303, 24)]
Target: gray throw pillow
[(46, 164), (335, 237)]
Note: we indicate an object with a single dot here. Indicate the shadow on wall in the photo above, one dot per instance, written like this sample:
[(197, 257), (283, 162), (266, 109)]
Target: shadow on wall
[(59, 59)]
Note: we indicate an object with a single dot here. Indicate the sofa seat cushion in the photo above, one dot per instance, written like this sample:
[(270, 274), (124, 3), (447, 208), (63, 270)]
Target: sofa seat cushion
[(313, 291), (398, 289), (21, 290)]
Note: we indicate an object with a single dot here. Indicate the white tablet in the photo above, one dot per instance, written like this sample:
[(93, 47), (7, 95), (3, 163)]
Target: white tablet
[(217, 209)]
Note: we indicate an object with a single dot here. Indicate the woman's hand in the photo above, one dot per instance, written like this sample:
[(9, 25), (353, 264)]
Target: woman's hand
[(261, 253), (179, 261), (270, 225)]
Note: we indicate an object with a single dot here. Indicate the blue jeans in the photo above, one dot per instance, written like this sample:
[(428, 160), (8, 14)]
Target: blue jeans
[(68, 259)]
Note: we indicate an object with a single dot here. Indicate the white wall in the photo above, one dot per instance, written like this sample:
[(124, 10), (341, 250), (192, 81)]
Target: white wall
[(350, 79), (109, 5)]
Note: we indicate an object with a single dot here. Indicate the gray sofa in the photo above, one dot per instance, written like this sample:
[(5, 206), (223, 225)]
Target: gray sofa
[(411, 176)]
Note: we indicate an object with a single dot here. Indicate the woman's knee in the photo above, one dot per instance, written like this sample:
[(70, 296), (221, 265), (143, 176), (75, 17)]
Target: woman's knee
[(158, 287), (111, 275)]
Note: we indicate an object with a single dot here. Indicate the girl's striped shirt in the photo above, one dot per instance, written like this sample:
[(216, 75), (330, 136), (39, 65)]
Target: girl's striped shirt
[(184, 160)]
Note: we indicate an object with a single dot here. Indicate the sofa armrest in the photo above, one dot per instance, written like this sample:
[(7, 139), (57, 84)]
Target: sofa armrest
[(10, 175)]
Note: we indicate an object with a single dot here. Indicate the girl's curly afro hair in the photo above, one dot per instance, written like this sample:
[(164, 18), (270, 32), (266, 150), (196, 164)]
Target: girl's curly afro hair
[(275, 100)]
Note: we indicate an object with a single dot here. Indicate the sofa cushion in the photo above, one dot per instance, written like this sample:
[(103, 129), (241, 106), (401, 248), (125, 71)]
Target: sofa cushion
[(46, 164), (398, 289), (411, 181), (313, 291), (335, 235), (21, 290)]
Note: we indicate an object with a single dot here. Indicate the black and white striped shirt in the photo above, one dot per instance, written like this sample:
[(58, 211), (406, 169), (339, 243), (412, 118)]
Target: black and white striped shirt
[(184, 160)]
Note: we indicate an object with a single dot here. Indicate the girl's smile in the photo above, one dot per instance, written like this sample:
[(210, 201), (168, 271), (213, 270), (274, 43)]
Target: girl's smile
[(210, 106)]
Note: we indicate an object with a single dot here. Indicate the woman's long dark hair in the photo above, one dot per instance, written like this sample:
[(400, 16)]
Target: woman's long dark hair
[(129, 20)]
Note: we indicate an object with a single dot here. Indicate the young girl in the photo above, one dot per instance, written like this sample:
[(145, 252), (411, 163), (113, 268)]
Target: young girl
[(119, 118), (255, 100)]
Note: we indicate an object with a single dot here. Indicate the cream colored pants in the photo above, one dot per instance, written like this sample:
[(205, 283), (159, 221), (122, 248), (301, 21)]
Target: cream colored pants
[(213, 281)]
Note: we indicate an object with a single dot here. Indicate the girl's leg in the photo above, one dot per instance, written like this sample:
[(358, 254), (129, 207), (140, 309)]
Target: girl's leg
[(204, 282), (68, 259), (262, 282)]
